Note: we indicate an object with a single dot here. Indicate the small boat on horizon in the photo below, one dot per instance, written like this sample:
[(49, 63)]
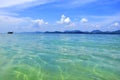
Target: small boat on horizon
[(10, 32)]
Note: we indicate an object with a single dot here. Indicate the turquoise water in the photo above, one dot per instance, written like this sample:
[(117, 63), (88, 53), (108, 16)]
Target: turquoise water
[(59, 57)]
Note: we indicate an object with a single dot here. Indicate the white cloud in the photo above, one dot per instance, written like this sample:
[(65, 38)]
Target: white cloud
[(60, 3), (8, 13), (22, 3), (94, 22), (9, 23), (109, 22), (82, 2), (64, 20), (84, 20), (73, 3), (17, 24), (116, 24), (72, 25), (40, 22), (8, 7), (8, 3)]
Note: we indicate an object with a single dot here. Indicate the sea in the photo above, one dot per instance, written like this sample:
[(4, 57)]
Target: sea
[(59, 56)]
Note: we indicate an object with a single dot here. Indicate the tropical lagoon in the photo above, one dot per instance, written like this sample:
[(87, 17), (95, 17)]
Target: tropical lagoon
[(59, 57)]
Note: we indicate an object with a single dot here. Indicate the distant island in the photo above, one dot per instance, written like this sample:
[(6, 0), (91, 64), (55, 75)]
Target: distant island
[(78, 32), (85, 32)]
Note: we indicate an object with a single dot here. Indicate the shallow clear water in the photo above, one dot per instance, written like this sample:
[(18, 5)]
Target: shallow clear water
[(59, 57)]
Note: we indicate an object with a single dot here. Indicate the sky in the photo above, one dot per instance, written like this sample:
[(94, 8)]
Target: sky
[(59, 15)]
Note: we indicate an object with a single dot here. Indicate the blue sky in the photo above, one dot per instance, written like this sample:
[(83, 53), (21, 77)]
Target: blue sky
[(59, 15)]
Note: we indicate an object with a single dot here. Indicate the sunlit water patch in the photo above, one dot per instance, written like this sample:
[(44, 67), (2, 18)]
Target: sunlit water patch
[(59, 57)]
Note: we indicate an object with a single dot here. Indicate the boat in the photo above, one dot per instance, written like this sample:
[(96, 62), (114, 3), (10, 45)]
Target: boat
[(10, 32)]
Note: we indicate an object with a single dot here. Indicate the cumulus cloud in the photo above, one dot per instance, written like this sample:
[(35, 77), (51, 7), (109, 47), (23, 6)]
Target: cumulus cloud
[(64, 20), (84, 20), (40, 22), (72, 25), (9, 23), (116, 24)]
